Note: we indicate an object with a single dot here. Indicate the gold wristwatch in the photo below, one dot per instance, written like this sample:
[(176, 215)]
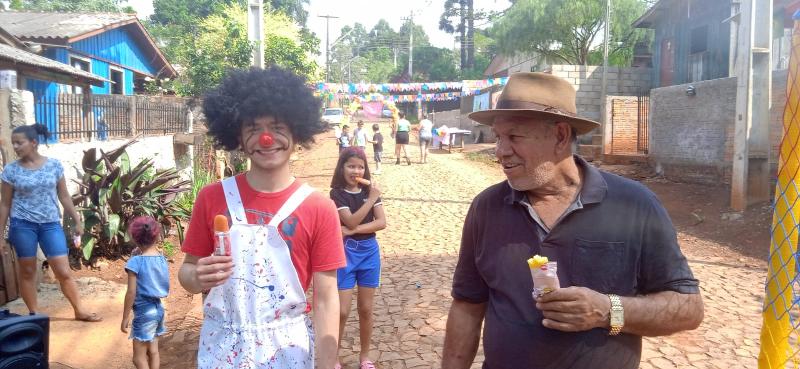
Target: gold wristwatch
[(616, 315)]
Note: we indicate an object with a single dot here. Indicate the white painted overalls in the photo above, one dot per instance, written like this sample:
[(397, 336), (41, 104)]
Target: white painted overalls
[(257, 318)]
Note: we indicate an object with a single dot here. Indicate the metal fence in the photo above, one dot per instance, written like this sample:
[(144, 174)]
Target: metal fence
[(643, 115), (112, 116)]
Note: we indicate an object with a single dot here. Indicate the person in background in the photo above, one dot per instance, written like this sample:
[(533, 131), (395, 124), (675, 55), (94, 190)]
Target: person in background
[(360, 136), (377, 147), (400, 131), (425, 138), (148, 283), (361, 214), (344, 138), (32, 187)]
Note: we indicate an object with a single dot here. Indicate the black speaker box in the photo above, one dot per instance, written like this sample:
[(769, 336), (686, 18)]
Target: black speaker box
[(24, 341)]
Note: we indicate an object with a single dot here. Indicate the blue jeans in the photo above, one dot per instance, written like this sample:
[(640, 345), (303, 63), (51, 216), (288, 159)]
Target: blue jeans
[(148, 320), (25, 235)]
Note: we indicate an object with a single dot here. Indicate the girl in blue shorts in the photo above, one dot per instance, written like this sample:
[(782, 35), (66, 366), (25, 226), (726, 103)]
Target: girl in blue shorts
[(148, 283), (32, 187), (361, 214)]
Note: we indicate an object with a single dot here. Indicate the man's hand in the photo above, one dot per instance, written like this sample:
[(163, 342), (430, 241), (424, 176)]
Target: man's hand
[(574, 309), (214, 270)]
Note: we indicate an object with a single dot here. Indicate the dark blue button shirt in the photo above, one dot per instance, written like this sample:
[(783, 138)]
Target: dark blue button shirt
[(619, 241)]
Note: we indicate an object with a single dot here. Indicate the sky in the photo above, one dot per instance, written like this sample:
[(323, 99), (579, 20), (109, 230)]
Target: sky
[(368, 12)]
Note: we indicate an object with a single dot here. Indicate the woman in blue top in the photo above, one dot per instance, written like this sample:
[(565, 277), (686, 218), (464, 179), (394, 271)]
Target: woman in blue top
[(32, 186), (148, 283)]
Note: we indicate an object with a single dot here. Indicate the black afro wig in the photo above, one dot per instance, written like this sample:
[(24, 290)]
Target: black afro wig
[(247, 94)]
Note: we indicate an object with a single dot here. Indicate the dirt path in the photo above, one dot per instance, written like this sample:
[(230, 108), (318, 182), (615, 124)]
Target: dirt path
[(426, 205)]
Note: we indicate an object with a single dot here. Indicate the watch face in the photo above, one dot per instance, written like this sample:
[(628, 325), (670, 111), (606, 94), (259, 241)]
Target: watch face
[(617, 319)]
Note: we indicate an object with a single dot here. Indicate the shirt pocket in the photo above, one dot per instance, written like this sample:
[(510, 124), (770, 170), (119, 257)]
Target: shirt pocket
[(601, 266)]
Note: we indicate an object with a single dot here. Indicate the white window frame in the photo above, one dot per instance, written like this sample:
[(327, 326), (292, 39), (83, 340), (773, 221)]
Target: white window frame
[(76, 89)]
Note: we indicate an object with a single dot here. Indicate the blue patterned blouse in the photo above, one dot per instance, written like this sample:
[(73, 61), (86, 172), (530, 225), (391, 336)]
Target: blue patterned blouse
[(35, 193)]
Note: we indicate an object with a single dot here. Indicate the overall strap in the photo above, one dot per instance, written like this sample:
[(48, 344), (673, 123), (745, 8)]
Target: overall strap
[(234, 200), (291, 204)]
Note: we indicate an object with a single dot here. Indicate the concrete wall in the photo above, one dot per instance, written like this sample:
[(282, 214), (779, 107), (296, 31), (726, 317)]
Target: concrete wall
[(587, 81), (160, 149), (691, 137)]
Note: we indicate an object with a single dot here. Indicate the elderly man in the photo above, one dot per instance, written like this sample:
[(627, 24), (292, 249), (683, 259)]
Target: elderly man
[(621, 272)]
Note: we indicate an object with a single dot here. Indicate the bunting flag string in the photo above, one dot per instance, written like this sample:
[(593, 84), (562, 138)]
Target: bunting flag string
[(467, 87), (444, 96)]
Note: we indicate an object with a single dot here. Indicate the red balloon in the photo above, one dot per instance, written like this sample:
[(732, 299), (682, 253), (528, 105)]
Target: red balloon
[(265, 140)]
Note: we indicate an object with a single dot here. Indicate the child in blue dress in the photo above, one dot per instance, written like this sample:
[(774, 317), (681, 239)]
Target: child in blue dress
[(148, 283)]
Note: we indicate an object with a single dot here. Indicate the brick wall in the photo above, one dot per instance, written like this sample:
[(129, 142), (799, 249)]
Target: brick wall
[(691, 137), (624, 118)]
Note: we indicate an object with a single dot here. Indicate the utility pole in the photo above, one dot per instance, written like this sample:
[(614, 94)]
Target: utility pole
[(751, 170), (606, 125), (255, 31), (411, 47), (327, 44), (470, 34)]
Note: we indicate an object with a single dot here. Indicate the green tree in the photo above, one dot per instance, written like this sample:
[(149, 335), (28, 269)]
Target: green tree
[(206, 37), (569, 30), (292, 8)]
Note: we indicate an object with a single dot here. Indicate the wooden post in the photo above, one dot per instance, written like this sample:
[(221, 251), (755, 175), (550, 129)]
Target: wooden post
[(88, 117), (132, 115)]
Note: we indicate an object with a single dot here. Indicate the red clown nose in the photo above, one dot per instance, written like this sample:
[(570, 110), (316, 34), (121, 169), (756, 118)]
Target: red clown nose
[(265, 140)]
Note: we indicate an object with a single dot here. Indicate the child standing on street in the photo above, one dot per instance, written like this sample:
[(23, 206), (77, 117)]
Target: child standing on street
[(148, 283), (360, 136), (345, 138), (283, 235), (377, 147), (361, 213)]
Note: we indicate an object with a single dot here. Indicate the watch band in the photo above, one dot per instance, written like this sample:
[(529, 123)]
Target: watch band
[(615, 315)]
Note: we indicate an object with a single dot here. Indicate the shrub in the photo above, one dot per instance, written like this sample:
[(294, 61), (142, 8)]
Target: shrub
[(112, 193)]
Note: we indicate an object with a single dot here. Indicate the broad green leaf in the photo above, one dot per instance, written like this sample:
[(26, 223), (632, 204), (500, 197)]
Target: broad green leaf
[(88, 247), (125, 163), (112, 227)]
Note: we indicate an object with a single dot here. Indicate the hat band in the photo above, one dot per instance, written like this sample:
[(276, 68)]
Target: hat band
[(519, 104)]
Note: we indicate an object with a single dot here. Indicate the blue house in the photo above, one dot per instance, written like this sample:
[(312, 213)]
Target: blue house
[(113, 46)]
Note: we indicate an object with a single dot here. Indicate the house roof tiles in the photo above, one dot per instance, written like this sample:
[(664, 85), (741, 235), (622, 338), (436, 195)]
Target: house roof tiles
[(15, 56), (59, 26)]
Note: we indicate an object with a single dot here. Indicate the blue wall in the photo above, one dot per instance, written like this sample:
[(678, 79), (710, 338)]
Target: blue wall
[(115, 46), (119, 47)]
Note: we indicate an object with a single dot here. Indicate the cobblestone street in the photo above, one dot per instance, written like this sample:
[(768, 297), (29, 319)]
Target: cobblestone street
[(426, 205)]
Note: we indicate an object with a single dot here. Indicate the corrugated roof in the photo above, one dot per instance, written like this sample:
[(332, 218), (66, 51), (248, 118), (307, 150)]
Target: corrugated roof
[(22, 57), (66, 28), (46, 25)]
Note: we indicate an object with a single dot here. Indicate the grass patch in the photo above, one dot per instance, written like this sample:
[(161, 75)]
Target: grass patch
[(483, 156), (168, 249)]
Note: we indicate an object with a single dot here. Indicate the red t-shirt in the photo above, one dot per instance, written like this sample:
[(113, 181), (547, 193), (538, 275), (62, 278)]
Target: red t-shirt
[(312, 231)]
